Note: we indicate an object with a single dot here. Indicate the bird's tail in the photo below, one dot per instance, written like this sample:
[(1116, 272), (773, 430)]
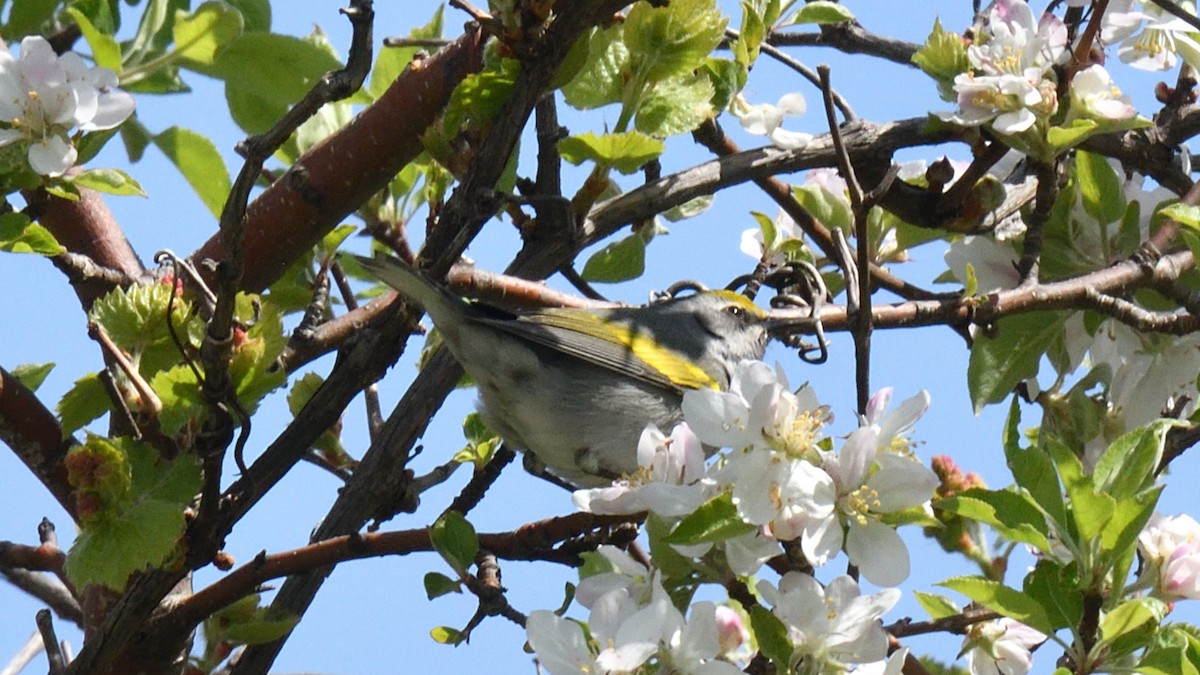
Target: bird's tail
[(408, 281)]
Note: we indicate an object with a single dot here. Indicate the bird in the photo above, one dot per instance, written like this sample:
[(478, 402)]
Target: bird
[(574, 388)]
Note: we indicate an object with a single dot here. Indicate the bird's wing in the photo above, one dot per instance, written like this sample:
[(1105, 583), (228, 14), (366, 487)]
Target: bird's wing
[(608, 345)]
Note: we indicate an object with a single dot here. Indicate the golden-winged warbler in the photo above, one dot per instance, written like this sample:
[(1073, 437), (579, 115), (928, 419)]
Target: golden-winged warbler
[(575, 387)]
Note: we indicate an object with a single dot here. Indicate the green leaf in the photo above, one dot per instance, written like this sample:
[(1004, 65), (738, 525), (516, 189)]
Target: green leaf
[(822, 12), (727, 77), (1174, 651), (481, 442), (601, 80), (1188, 216), (1127, 465), (971, 287), (998, 364), (675, 106), (27, 16), (246, 623), (1092, 510), (135, 136), (1100, 187), (256, 14), (672, 40), (143, 529), (265, 74), (447, 636), (90, 144), (943, 56), (1057, 587), (200, 163), (689, 209), (772, 637), (480, 96), (626, 152), (393, 60), (85, 401), (252, 368), (715, 520), (31, 375), (111, 181), (1000, 598), (201, 35), (455, 540), (1129, 517), (1033, 470), (750, 36), (136, 320), (1131, 624), (937, 606), (619, 261), (438, 584), (828, 208), (153, 32), (105, 49), (1071, 135), (1011, 514), (179, 393), (18, 235)]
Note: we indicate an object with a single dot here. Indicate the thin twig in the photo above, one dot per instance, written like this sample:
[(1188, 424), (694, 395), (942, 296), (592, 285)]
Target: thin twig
[(804, 71), (371, 391), (861, 210), (54, 654)]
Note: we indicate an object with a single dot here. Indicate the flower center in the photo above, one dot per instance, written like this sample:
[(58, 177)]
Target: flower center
[(798, 440)]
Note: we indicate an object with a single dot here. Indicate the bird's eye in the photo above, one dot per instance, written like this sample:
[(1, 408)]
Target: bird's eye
[(734, 310)]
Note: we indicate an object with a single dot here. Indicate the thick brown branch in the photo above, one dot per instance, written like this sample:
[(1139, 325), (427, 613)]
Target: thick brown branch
[(87, 227), (333, 179), (32, 431)]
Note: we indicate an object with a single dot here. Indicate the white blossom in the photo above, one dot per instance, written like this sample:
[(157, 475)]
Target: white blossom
[(44, 96), (1151, 39), (1094, 95), (668, 481), (1001, 647), (834, 624), (1171, 547), (765, 119)]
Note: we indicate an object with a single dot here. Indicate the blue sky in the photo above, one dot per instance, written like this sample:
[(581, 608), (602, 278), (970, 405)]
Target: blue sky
[(372, 615)]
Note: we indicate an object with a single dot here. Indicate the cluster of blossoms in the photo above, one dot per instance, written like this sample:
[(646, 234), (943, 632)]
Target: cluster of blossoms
[(784, 479), (781, 479), (44, 96), (1012, 84), (633, 620), (1011, 81)]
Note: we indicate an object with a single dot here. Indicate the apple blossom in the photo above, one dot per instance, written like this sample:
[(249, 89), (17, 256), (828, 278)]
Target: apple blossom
[(758, 409), (43, 96), (1151, 39), (559, 643), (1001, 647), (767, 120), (1011, 60), (628, 574), (1171, 548), (832, 625), (668, 481), (1094, 95)]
